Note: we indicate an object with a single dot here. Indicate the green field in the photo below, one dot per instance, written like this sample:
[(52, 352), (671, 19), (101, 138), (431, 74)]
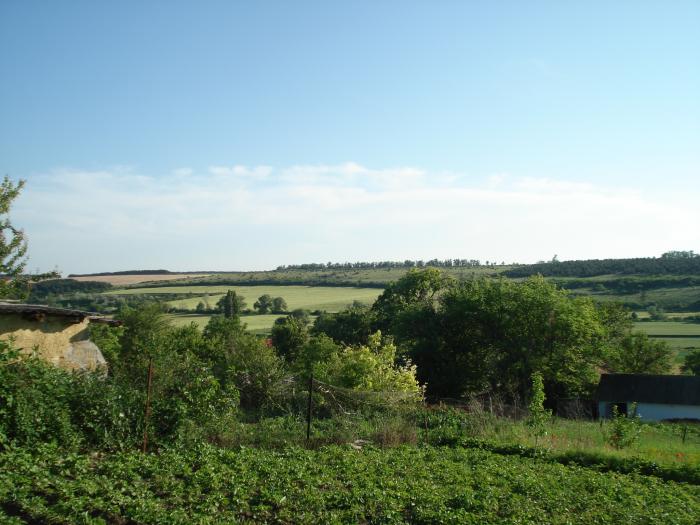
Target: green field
[(669, 328), (258, 324), (376, 277), (680, 292), (677, 316), (668, 298), (335, 485), (328, 298), (683, 337)]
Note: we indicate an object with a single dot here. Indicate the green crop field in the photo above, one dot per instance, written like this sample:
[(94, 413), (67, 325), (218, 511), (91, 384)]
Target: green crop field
[(683, 337), (678, 316), (669, 328), (669, 298), (332, 485), (329, 298), (258, 324)]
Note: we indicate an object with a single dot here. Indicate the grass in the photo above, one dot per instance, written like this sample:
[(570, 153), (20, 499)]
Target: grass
[(661, 443), (377, 277), (329, 298), (668, 298), (669, 328), (643, 314), (257, 324), (682, 337)]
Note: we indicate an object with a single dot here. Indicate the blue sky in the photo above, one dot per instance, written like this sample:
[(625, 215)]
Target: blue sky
[(243, 135)]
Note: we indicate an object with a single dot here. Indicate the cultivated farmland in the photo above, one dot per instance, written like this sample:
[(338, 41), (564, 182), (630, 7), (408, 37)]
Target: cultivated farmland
[(329, 298), (331, 485), (683, 337), (257, 324)]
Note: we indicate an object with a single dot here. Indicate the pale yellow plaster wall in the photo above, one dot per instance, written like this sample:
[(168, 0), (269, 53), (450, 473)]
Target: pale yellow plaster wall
[(54, 339)]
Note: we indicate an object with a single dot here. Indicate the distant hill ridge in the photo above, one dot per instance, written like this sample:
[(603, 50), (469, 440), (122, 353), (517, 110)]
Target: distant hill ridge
[(671, 263), (142, 272)]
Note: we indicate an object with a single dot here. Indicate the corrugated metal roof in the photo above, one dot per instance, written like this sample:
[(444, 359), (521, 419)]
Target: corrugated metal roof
[(663, 389)]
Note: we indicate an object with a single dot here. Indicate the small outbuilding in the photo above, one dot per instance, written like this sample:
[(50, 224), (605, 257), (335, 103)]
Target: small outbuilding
[(57, 335), (658, 397)]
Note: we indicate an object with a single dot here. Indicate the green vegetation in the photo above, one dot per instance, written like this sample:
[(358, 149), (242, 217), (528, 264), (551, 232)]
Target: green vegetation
[(683, 337), (228, 408), (257, 324), (624, 428), (691, 363), (345, 277), (331, 485), (538, 415), (670, 263), (308, 297), (491, 335), (669, 329), (14, 284)]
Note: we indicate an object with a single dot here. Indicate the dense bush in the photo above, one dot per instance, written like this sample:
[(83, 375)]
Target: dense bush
[(35, 400), (41, 403)]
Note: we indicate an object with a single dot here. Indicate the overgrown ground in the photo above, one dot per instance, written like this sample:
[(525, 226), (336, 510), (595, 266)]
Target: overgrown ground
[(335, 484), (665, 444)]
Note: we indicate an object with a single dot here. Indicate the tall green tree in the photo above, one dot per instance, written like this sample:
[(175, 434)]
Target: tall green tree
[(352, 326), (13, 247), (289, 335), (231, 304), (417, 289), (279, 305), (491, 335), (637, 353), (264, 304)]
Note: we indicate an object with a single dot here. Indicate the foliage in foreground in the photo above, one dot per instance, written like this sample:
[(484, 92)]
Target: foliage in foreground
[(331, 485)]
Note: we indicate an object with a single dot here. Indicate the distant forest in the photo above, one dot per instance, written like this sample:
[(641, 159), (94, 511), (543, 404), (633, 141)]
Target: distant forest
[(363, 265), (670, 263)]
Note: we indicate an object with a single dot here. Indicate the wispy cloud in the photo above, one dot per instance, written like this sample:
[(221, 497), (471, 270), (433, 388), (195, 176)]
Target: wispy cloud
[(257, 217)]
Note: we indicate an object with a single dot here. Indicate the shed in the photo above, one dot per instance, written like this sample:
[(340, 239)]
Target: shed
[(658, 397), (57, 335)]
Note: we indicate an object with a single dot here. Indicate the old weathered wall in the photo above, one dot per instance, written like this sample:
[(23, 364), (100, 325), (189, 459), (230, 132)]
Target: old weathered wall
[(54, 339)]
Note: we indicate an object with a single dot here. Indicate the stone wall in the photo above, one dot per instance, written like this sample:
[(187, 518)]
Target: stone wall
[(55, 339)]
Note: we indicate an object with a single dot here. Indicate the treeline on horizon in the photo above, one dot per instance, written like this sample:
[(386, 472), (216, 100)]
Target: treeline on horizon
[(364, 265), (670, 263)]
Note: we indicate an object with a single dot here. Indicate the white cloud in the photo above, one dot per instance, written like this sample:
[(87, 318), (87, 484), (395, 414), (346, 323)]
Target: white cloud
[(257, 172), (241, 217)]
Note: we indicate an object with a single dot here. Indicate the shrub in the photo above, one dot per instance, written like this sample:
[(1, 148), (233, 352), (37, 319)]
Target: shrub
[(34, 400), (538, 416), (624, 430)]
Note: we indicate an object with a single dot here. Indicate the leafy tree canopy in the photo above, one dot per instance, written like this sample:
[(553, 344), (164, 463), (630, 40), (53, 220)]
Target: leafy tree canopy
[(13, 248), (264, 304), (691, 364), (231, 304)]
